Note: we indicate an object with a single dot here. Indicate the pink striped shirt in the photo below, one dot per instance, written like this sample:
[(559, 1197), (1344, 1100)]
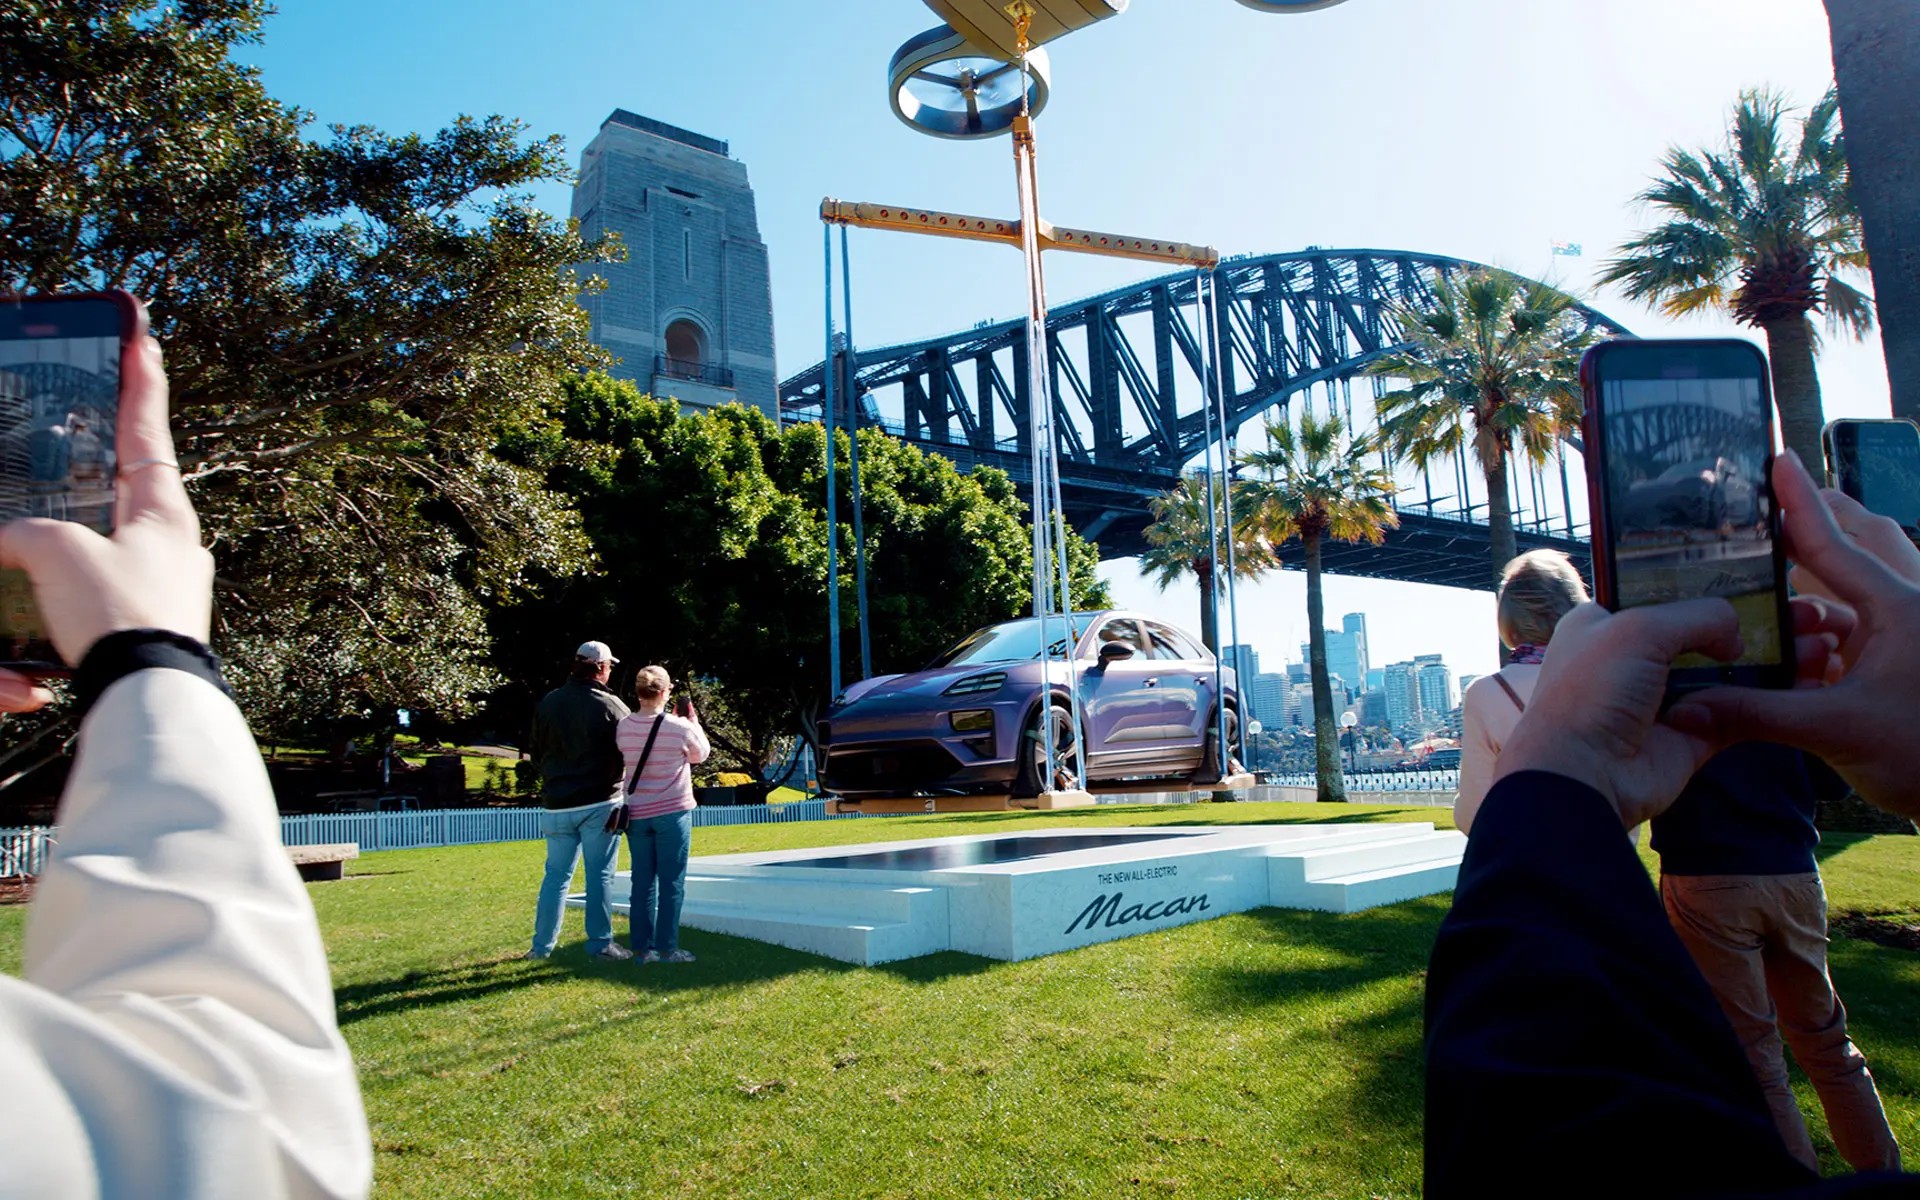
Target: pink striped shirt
[(666, 786)]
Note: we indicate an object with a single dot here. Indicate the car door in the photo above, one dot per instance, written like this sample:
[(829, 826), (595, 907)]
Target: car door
[(1125, 718), (1185, 690)]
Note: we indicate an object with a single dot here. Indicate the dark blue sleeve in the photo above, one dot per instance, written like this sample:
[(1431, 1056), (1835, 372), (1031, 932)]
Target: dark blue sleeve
[(1572, 1046)]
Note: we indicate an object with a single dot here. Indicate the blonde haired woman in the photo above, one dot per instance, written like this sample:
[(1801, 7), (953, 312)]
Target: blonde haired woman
[(1536, 590), (659, 795)]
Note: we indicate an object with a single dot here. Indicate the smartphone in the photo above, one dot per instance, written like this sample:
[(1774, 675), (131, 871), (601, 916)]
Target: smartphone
[(60, 361), (1679, 449), (1878, 464)]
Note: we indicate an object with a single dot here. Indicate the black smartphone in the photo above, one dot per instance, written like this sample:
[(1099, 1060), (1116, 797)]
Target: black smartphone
[(60, 361), (1877, 462), (1679, 449)]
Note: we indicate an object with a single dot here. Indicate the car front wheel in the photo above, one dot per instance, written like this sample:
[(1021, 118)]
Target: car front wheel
[(1052, 721)]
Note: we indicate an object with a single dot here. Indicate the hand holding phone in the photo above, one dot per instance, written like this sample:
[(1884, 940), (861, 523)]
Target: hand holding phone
[(152, 573), (1679, 446), (1878, 464), (61, 385), (684, 707)]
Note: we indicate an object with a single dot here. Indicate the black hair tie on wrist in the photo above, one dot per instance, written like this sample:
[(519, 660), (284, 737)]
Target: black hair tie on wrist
[(125, 651)]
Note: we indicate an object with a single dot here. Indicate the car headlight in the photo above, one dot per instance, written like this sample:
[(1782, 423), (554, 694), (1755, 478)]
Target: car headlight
[(973, 685), (971, 720)]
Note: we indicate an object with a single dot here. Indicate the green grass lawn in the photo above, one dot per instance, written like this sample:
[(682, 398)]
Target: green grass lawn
[(1270, 1053)]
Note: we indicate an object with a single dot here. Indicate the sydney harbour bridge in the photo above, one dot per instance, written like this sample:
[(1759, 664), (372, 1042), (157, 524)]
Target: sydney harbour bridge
[(1296, 330)]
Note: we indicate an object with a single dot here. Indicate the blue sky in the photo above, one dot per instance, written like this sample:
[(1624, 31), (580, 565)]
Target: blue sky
[(1484, 129)]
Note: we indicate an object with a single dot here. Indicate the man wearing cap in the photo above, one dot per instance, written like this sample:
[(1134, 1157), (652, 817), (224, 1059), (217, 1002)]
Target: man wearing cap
[(573, 746)]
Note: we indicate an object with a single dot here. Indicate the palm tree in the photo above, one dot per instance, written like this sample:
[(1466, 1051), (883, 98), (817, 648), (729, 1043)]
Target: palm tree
[(1876, 71), (1762, 229), (1319, 486), (1494, 364), (1178, 542)]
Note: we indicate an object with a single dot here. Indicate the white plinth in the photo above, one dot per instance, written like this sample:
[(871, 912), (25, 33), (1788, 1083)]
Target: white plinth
[(885, 901)]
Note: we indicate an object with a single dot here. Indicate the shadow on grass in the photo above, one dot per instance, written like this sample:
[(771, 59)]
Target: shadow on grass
[(1384, 1083), (448, 985), (723, 964)]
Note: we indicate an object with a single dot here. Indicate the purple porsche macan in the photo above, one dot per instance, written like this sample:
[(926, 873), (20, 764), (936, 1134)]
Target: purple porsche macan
[(973, 719)]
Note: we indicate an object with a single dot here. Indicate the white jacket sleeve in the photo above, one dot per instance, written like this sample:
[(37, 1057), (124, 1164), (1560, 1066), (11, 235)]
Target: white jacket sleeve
[(174, 1034)]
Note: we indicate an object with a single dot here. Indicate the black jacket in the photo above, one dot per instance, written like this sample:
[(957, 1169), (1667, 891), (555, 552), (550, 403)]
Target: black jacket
[(573, 744), (1572, 1047)]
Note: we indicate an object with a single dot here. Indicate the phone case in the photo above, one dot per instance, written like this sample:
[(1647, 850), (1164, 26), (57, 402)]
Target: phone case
[(58, 433), (1605, 536)]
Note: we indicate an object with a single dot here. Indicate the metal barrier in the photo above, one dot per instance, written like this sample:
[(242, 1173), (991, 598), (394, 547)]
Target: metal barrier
[(24, 851), (1380, 781), (471, 826)]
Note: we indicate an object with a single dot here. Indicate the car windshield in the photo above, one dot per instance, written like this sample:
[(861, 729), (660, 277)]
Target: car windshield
[(1015, 641)]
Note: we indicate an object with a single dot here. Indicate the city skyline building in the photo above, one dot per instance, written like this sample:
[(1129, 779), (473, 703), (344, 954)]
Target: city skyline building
[(1436, 686), (1402, 687), (689, 314), (1347, 651), (1267, 698), (1244, 660)]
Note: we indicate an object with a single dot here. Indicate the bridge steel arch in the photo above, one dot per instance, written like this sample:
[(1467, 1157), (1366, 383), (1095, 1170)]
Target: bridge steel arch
[(1295, 330)]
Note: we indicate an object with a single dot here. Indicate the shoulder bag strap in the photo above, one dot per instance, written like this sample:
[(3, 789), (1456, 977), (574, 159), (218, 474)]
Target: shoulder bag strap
[(1511, 694), (644, 751)]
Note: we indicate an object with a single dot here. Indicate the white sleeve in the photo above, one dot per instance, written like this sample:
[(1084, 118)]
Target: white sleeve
[(174, 1034)]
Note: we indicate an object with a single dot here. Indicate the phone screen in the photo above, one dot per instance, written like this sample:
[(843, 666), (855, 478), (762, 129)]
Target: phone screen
[(59, 401), (1886, 469), (1686, 435)]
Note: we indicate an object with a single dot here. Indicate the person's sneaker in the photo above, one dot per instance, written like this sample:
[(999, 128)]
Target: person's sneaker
[(677, 956), (613, 952), (651, 956), (535, 954)]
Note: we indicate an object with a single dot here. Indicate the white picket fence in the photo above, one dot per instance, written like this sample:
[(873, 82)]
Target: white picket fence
[(1380, 781), (24, 851), (469, 826)]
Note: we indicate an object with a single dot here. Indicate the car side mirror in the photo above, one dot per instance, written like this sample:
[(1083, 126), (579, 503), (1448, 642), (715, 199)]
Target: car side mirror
[(1114, 651)]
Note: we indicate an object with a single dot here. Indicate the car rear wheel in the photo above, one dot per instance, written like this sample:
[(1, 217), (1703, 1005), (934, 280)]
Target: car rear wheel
[(1056, 723)]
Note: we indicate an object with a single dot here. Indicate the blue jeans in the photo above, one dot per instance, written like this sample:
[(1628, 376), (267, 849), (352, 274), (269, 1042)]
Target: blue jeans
[(569, 833), (658, 847)]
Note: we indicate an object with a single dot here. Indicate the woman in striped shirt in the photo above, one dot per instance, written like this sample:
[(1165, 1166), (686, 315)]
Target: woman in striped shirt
[(660, 804)]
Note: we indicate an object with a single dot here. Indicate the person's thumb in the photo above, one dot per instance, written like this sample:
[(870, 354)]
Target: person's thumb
[(1726, 715)]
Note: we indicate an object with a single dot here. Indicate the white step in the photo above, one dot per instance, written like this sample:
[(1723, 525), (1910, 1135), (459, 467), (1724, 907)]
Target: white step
[(845, 939), (1288, 867), (1368, 889), (874, 902), (863, 923)]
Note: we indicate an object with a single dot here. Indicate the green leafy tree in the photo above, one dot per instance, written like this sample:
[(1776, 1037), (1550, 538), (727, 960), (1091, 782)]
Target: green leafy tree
[(711, 535), (1493, 366), (1763, 229), (1319, 486), (1180, 543), (1876, 72), (352, 324)]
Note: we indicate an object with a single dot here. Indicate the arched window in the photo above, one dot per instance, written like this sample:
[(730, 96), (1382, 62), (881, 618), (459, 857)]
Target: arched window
[(686, 347)]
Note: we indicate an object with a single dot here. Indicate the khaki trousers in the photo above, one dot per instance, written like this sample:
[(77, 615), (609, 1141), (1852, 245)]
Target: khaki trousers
[(1761, 942)]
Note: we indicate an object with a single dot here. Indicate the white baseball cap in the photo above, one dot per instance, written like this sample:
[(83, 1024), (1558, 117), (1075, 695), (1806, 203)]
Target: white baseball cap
[(595, 652)]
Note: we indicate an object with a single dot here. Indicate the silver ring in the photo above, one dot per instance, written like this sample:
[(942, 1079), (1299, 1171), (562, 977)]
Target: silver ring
[(139, 463)]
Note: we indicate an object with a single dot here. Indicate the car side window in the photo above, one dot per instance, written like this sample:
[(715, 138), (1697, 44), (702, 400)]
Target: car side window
[(1168, 643), (1122, 629)]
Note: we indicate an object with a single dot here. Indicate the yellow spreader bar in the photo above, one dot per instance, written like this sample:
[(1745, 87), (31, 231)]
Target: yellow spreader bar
[(1007, 233)]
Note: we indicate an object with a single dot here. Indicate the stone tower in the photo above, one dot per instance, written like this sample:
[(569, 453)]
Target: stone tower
[(690, 312)]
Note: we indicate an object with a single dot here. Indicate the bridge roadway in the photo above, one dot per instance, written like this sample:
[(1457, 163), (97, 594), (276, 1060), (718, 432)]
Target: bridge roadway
[(1293, 331)]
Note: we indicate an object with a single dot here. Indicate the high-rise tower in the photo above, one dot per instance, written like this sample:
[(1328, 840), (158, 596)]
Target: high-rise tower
[(690, 311)]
